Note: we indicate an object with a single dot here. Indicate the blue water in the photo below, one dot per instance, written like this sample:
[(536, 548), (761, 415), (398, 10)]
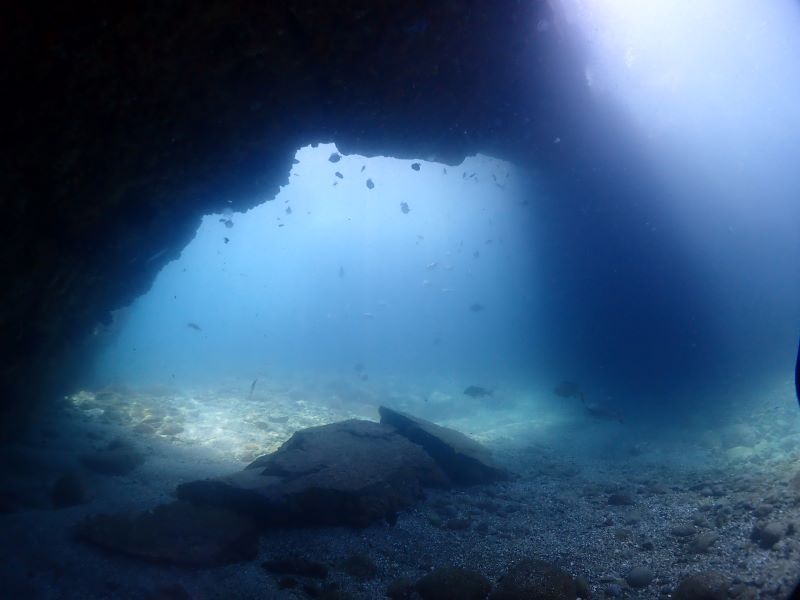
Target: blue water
[(333, 278)]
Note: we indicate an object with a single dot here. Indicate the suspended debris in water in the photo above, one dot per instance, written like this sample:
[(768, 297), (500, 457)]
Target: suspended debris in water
[(370, 185), (253, 387), (288, 210), (194, 326), (569, 389), (341, 271), (335, 157), (476, 391), (404, 208), (339, 175), (226, 240), (476, 307), (415, 166)]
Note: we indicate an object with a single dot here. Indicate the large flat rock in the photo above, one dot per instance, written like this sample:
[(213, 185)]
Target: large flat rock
[(462, 459), (348, 473)]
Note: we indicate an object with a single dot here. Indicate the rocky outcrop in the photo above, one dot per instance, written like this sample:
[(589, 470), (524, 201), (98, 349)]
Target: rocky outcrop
[(461, 458), (348, 473)]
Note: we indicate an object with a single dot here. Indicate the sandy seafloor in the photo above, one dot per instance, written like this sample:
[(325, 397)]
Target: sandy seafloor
[(718, 476)]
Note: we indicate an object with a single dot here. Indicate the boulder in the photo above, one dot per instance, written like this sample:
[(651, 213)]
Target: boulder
[(535, 580), (461, 458), (177, 533), (453, 583), (707, 585), (348, 473)]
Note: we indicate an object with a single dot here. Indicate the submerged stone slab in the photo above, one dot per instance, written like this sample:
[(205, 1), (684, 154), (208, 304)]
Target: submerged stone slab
[(177, 533), (462, 459), (348, 473)]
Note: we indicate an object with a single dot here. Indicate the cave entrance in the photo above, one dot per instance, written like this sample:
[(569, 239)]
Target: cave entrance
[(365, 281)]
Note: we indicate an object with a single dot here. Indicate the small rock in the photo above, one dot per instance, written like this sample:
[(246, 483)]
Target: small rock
[(708, 585), (647, 546), (683, 530), (621, 499), (703, 542), (614, 590), (767, 534), (453, 583), (639, 577), (535, 579), (457, 524)]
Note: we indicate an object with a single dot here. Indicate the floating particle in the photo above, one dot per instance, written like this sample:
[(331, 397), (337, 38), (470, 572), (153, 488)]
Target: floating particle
[(404, 208), (335, 157), (415, 166), (370, 185)]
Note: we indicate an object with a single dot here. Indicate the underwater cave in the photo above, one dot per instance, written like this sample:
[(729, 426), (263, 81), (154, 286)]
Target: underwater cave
[(401, 300)]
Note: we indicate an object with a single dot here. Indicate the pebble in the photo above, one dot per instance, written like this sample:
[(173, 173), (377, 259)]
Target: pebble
[(703, 542)]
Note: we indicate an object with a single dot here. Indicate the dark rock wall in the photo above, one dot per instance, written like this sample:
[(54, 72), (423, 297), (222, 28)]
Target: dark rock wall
[(125, 123)]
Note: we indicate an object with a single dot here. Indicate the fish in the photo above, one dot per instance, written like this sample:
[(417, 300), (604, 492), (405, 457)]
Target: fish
[(341, 272), (339, 175), (370, 184), (226, 240), (569, 389), (194, 326), (335, 157), (415, 166), (404, 208), (363, 167), (228, 222), (253, 387), (476, 391), (476, 307), (288, 210)]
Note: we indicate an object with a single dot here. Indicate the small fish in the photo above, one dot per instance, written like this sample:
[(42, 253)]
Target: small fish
[(476, 254), (226, 240), (253, 387), (339, 175), (415, 166), (404, 208), (370, 185), (476, 391), (341, 272), (228, 222), (444, 170), (335, 157), (288, 210), (476, 307), (363, 167), (194, 326)]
